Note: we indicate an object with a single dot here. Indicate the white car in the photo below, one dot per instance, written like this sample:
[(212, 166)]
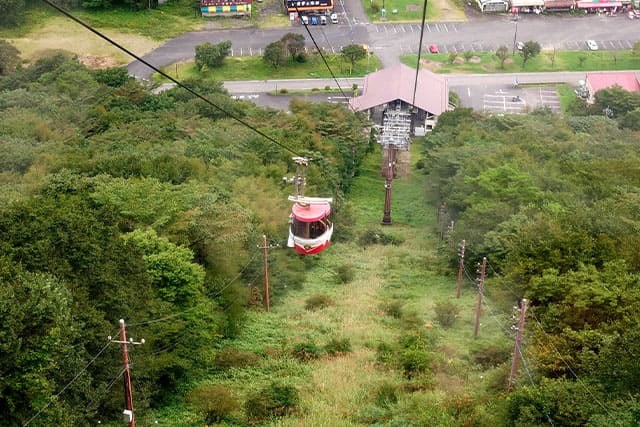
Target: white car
[(334, 18), (520, 45), (592, 45)]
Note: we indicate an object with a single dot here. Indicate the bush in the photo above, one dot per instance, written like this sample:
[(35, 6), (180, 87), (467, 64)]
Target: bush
[(337, 346), (385, 353), (114, 77), (215, 402), (306, 351), (212, 55), (319, 301), (375, 8), (386, 395), (490, 355), (446, 313), (231, 357), (345, 273), (393, 309), (377, 237), (276, 400), (415, 361)]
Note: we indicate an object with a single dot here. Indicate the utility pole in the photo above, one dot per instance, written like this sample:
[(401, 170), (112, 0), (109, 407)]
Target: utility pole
[(128, 393), (516, 346), (442, 219), (460, 268), (480, 291), (391, 161), (265, 255), (449, 234)]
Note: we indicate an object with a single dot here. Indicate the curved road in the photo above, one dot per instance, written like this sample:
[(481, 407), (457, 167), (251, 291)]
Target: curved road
[(388, 41)]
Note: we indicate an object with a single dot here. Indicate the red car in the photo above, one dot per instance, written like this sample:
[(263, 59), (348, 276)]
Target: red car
[(433, 48)]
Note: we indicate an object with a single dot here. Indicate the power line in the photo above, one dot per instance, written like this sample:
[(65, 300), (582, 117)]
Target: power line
[(219, 292), (415, 85), (67, 386), (306, 27), (165, 75)]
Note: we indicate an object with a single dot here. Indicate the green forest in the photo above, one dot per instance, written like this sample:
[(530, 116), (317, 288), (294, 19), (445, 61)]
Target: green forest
[(117, 203)]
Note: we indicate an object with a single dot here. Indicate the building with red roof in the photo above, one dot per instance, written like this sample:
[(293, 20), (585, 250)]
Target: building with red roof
[(597, 81)]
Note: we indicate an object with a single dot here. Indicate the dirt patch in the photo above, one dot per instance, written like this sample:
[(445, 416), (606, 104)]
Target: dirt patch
[(413, 8), (98, 62), (475, 60)]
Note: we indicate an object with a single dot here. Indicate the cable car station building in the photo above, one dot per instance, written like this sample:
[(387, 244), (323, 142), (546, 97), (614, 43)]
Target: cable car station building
[(388, 98)]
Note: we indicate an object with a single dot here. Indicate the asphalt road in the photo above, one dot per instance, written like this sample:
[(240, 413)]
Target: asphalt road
[(388, 41)]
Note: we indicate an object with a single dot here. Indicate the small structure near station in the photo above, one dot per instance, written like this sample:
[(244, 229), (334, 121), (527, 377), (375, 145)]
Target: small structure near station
[(598, 81), (388, 97), (225, 7)]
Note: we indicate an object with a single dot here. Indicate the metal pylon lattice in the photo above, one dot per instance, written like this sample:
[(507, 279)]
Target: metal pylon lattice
[(396, 128)]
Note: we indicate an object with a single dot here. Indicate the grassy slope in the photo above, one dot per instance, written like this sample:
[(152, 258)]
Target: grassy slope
[(334, 389)]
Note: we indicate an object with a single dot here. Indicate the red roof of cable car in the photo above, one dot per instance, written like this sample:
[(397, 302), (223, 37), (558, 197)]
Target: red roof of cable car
[(311, 213)]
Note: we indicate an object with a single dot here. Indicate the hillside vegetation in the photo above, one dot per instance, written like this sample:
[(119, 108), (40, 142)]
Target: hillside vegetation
[(117, 203)]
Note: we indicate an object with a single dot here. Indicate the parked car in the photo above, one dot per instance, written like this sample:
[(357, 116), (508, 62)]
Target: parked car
[(520, 45), (323, 20), (433, 48), (314, 20), (334, 18), (305, 19), (592, 45)]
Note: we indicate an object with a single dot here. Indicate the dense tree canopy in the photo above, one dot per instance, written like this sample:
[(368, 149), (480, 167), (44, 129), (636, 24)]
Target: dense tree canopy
[(117, 203), (554, 204)]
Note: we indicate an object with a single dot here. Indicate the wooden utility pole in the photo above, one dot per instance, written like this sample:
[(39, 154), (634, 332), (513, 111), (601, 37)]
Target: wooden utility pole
[(391, 160), (460, 268), (516, 346), (476, 326), (265, 255), (128, 393)]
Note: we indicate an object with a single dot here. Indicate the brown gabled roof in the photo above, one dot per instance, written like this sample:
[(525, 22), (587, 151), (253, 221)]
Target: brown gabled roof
[(397, 82)]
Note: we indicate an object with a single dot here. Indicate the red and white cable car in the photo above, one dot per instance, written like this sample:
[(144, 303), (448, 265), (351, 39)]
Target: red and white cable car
[(310, 228)]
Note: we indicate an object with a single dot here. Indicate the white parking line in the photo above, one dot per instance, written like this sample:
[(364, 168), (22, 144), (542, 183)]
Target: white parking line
[(428, 28), (231, 51), (437, 28), (250, 52), (445, 28), (404, 30), (240, 51)]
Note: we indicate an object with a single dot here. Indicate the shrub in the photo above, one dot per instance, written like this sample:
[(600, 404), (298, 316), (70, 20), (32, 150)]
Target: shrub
[(318, 301), (393, 309), (345, 273), (446, 313), (212, 55), (306, 351), (284, 90), (231, 357), (215, 402), (276, 400), (490, 355), (386, 395), (337, 346), (415, 361), (377, 237), (385, 353), (375, 8)]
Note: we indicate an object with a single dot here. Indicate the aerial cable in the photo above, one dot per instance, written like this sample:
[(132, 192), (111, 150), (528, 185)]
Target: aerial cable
[(68, 385), (415, 85), (306, 27), (216, 295), (165, 75)]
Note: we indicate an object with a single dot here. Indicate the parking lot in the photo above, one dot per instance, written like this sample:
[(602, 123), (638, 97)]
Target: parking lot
[(490, 47), (520, 100)]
